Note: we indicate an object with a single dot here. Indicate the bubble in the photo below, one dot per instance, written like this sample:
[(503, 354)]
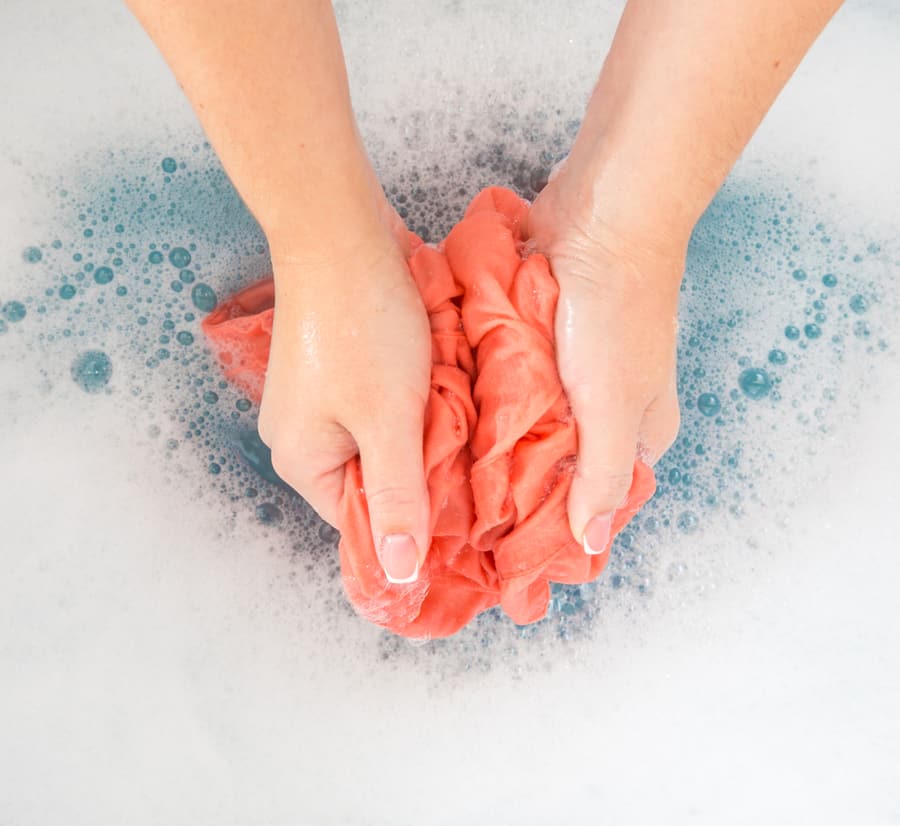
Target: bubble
[(861, 329), (121, 290), (777, 357), (755, 383), (243, 405), (176, 286), (791, 332), (203, 297), (67, 291), (91, 371), (185, 338), (812, 330), (179, 257), (687, 521), (169, 165), (268, 514), (186, 276), (32, 255), (14, 311), (708, 404), (799, 275), (155, 257), (103, 275), (210, 397), (215, 468), (859, 304), (829, 280)]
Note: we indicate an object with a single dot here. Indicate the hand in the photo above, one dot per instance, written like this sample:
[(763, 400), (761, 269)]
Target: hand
[(616, 324), (349, 372)]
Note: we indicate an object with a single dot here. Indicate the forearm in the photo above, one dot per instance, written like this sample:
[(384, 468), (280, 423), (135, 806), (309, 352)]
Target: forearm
[(685, 85), (267, 81)]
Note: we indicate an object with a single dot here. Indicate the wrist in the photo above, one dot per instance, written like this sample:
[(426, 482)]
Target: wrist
[(627, 202)]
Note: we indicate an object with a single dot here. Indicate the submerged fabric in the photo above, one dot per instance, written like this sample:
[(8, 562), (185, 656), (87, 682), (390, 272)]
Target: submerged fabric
[(499, 441)]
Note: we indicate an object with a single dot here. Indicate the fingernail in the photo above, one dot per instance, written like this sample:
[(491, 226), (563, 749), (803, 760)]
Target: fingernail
[(399, 558), (596, 533)]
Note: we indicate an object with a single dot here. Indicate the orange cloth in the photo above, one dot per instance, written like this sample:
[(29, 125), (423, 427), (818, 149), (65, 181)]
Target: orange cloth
[(499, 439)]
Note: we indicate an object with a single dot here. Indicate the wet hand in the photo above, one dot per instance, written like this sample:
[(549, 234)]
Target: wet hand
[(616, 324), (349, 372)]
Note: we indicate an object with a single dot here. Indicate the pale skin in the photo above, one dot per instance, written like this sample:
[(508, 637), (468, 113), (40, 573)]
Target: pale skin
[(683, 88)]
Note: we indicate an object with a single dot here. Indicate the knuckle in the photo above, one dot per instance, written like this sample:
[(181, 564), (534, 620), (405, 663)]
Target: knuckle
[(392, 501), (606, 489)]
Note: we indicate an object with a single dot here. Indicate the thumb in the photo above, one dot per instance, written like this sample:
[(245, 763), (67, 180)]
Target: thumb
[(397, 495), (607, 445)]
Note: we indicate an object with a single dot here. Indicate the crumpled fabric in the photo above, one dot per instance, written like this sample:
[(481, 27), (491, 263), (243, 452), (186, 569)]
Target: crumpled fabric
[(499, 442)]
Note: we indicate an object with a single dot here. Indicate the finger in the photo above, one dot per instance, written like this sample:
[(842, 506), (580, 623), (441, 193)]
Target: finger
[(607, 445), (659, 427), (314, 467), (391, 454)]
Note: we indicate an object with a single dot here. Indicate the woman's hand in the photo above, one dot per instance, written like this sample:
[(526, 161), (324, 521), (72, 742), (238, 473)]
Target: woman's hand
[(349, 371), (616, 324)]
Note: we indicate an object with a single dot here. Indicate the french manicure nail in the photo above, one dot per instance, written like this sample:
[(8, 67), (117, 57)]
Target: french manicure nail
[(399, 558), (596, 533)]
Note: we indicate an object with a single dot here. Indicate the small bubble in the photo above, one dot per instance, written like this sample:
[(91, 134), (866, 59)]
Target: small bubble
[(14, 311), (755, 383), (67, 291), (859, 304), (186, 276), (169, 165), (829, 280), (799, 275), (812, 330), (103, 275), (777, 357), (210, 397), (32, 255), (243, 405), (203, 297), (687, 522), (861, 329), (179, 257), (91, 370), (268, 514), (791, 332), (215, 468), (155, 257), (708, 404)]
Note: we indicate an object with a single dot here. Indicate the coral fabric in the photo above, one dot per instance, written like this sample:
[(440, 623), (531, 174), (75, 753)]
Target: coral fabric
[(499, 441)]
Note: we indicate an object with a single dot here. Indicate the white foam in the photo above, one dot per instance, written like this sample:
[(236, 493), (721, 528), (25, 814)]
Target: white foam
[(167, 658)]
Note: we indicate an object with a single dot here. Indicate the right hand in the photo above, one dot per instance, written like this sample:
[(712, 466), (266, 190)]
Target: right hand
[(350, 372)]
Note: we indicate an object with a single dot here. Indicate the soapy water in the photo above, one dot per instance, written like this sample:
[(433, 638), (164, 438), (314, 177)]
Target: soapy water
[(782, 318)]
